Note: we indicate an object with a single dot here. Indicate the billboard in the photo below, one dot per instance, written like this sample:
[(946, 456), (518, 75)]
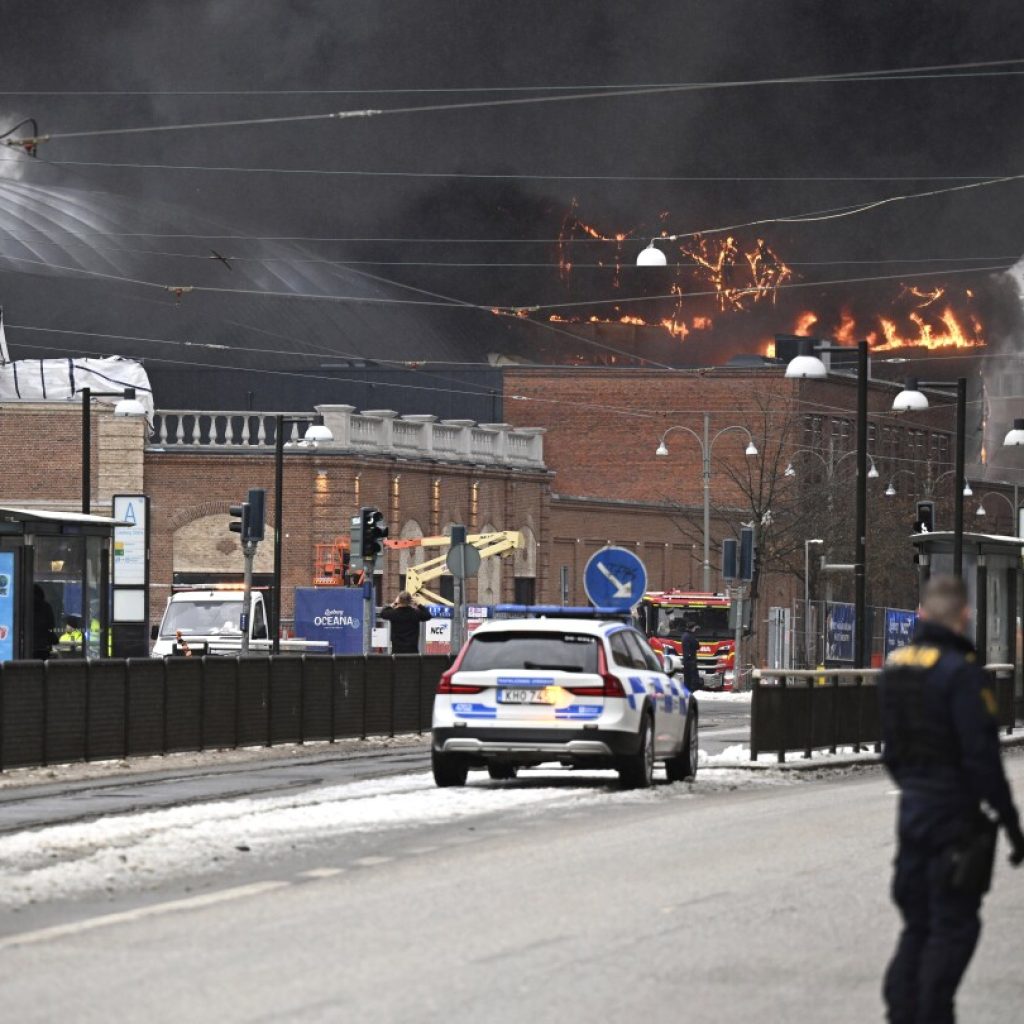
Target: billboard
[(839, 632), (334, 614), (899, 625), (6, 605)]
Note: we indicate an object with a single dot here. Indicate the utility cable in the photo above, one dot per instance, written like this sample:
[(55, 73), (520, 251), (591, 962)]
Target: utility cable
[(898, 74)]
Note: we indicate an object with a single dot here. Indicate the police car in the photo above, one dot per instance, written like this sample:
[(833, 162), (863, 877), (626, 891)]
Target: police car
[(546, 686)]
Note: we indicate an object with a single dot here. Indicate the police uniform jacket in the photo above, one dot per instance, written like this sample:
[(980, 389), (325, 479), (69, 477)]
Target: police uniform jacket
[(940, 737), (690, 645)]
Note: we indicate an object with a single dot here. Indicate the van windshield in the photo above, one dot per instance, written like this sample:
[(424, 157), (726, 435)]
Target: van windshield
[(202, 618), (562, 652)]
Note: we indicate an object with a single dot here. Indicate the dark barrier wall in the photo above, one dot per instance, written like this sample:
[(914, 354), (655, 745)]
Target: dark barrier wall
[(58, 711), (801, 716)]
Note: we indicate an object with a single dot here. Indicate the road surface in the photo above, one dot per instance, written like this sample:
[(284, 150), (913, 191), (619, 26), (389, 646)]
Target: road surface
[(748, 895)]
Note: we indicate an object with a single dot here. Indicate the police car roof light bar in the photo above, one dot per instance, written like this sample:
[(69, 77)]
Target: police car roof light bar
[(558, 611)]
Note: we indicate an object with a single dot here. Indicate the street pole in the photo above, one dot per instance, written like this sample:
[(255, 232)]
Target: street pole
[(275, 618), (706, 453), (807, 597), (86, 450), (958, 494), (860, 556), (249, 554), (368, 603), (737, 661)]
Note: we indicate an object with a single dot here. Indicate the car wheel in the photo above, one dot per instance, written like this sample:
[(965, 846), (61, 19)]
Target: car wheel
[(502, 772), (636, 771), (449, 769), (684, 764)]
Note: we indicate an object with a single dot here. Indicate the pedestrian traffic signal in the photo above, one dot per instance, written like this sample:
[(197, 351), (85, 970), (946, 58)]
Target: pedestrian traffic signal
[(355, 544), (239, 513), (374, 531), (257, 505), (747, 553), (924, 520)]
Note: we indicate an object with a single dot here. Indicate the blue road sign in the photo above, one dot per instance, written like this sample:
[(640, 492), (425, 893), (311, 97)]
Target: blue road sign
[(615, 578)]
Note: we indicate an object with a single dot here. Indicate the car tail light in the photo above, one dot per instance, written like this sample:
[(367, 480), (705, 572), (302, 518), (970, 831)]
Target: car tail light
[(610, 683), (447, 686)]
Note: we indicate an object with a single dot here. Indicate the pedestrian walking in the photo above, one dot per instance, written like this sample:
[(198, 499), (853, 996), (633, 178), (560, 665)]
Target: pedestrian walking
[(405, 617), (690, 645), (941, 746)]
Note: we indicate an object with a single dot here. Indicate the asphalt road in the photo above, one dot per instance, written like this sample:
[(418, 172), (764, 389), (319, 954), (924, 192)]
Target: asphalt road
[(748, 895), (722, 724)]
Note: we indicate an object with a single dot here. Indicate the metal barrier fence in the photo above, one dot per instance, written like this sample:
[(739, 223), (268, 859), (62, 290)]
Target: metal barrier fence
[(808, 709), (54, 712)]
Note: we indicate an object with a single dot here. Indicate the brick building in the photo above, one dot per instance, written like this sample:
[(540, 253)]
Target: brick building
[(425, 475), (574, 469), (603, 428)]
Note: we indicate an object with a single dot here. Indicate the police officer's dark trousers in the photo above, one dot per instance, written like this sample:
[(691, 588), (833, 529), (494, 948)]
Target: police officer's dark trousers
[(941, 929)]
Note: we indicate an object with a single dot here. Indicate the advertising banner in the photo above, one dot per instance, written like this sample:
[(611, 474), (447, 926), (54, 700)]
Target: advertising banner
[(899, 624), (334, 614), (839, 632), (438, 630), (6, 605)]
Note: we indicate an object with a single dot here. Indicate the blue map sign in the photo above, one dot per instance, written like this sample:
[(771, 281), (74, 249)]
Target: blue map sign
[(6, 605), (839, 632), (899, 625), (334, 614), (615, 578)]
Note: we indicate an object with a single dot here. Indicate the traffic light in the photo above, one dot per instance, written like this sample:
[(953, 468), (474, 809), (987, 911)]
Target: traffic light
[(374, 531), (257, 504), (924, 520), (355, 544), (241, 514)]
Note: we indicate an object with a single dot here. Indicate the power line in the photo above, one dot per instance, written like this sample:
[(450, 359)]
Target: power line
[(491, 307), (511, 175), (421, 90), (897, 74)]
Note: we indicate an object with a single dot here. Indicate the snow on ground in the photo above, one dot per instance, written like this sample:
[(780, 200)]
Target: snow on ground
[(738, 754), (138, 851), (722, 697)]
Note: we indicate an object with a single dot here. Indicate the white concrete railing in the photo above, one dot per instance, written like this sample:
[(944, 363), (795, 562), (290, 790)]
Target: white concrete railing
[(373, 431)]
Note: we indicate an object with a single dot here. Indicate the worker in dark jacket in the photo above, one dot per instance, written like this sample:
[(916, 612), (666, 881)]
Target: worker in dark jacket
[(405, 618), (690, 644), (941, 745)]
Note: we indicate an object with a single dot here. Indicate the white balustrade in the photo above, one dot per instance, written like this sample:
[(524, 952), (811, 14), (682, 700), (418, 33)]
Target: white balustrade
[(372, 431)]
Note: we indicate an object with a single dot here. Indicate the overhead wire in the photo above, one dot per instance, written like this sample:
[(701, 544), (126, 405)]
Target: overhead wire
[(506, 176), (955, 70), (897, 74)]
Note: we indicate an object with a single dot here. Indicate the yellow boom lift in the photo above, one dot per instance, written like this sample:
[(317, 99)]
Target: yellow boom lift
[(499, 543)]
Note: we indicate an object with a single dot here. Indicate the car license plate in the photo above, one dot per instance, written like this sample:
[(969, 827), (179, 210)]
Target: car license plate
[(524, 695)]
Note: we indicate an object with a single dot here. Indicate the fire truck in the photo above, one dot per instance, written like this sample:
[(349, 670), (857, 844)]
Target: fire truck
[(665, 615)]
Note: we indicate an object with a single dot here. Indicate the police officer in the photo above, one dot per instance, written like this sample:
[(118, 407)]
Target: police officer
[(941, 746), (690, 645)]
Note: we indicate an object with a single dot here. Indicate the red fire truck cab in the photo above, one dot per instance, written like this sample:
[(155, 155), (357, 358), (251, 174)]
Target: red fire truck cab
[(665, 615)]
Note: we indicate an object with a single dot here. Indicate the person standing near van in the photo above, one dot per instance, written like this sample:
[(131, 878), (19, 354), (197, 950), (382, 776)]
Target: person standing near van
[(405, 617)]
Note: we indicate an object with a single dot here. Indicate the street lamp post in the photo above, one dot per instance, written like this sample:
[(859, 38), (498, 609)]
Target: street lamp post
[(707, 444), (997, 494), (128, 406), (912, 399), (315, 433), (807, 365)]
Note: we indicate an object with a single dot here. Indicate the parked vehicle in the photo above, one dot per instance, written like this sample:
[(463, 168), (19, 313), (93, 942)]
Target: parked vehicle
[(586, 692), (208, 621)]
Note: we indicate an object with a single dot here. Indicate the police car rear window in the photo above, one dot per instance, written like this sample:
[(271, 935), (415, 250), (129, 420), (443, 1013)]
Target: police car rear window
[(563, 652)]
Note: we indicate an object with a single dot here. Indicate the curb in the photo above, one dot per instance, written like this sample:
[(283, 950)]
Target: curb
[(803, 764)]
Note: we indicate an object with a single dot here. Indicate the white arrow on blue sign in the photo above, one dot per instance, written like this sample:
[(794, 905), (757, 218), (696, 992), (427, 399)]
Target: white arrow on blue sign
[(615, 578)]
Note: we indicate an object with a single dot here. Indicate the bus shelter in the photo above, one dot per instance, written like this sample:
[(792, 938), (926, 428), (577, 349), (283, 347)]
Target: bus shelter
[(54, 582), (992, 571)]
